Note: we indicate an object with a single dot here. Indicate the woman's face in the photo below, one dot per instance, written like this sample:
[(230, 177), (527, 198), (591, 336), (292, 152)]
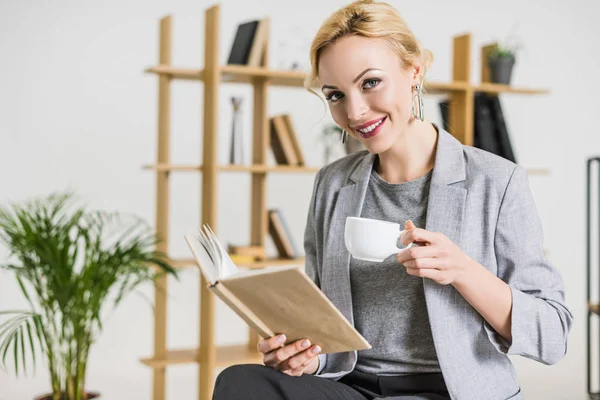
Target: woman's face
[(368, 90)]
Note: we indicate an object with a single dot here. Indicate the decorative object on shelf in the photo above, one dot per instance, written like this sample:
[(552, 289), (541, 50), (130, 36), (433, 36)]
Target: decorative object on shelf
[(502, 58), (72, 265), (236, 155)]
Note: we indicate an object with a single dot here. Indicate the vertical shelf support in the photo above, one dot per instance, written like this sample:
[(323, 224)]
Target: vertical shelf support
[(260, 145), (212, 77), (162, 206), (461, 103)]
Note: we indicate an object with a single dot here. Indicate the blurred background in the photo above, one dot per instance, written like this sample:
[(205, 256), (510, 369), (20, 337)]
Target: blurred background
[(77, 111)]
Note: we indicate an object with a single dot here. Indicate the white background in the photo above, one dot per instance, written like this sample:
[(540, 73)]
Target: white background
[(77, 111)]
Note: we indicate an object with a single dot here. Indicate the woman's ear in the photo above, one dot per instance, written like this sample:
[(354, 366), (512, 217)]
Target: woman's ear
[(416, 73)]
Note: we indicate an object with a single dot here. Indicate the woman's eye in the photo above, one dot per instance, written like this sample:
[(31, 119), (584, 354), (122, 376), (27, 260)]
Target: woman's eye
[(371, 83), (333, 97)]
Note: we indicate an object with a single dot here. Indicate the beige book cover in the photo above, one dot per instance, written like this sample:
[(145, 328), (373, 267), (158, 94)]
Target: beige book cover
[(274, 300)]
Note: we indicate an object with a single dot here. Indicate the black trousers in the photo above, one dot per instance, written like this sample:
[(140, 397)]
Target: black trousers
[(257, 382)]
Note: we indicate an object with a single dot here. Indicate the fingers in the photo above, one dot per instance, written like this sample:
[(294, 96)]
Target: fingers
[(419, 236), (423, 263), (281, 355), (418, 252), (267, 345), (433, 274), (296, 365)]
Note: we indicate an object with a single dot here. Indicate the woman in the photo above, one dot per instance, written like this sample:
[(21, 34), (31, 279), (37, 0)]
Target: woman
[(441, 316)]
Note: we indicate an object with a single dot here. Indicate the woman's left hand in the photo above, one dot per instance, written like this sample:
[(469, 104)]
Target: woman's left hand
[(436, 258)]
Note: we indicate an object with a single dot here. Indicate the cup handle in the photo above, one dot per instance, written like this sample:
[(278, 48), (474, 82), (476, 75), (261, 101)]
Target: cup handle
[(408, 246)]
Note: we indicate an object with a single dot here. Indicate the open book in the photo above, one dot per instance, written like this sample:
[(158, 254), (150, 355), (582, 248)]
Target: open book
[(274, 300)]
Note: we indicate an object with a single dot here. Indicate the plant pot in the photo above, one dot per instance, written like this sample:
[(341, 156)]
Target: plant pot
[(501, 69), (87, 396)]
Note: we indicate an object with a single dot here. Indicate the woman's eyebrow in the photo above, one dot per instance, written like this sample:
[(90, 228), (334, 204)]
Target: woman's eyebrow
[(353, 81)]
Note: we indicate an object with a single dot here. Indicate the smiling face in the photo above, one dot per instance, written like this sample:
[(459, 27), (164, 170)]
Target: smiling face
[(368, 90)]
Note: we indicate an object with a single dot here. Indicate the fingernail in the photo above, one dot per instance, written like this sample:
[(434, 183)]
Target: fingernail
[(305, 343), (281, 339), (316, 349)]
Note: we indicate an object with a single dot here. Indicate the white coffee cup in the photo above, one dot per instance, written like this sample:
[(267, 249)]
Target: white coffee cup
[(372, 239)]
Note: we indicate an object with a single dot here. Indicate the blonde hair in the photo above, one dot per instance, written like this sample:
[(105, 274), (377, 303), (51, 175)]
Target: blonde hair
[(372, 20)]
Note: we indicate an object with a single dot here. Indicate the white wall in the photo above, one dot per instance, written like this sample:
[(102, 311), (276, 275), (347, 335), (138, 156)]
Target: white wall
[(76, 110)]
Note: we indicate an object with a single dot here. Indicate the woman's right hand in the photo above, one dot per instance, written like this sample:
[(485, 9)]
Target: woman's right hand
[(294, 359)]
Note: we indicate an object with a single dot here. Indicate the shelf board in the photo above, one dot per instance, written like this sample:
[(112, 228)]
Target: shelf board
[(267, 168), (500, 88), (161, 167), (177, 73), (277, 168), (246, 74), (233, 168), (594, 308), (226, 355), (442, 88), (234, 74), (270, 262)]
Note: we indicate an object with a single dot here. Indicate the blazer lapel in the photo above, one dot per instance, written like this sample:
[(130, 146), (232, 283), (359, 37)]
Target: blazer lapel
[(348, 204), (336, 280)]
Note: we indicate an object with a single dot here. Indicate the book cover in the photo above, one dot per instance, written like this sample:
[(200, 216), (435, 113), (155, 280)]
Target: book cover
[(242, 44), (274, 300)]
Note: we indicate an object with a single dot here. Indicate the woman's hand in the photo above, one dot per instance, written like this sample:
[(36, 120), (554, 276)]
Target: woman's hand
[(294, 359), (436, 258)]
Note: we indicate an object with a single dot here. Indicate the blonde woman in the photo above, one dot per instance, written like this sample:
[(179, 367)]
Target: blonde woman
[(443, 316)]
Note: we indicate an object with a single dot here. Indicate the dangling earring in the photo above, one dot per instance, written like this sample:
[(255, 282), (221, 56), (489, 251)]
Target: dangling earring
[(419, 114), (344, 136)]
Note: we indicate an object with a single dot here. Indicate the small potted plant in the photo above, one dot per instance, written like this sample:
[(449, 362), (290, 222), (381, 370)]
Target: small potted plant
[(502, 58), (71, 265)]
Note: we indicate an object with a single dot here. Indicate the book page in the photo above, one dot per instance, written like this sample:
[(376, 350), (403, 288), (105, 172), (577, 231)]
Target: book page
[(204, 261)]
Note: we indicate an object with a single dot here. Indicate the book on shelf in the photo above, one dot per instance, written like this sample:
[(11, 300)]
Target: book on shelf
[(281, 235), (490, 132), (281, 142), (284, 141), (274, 300), (294, 139), (249, 44)]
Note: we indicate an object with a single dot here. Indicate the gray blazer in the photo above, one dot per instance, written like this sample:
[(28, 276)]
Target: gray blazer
[(484, 205)]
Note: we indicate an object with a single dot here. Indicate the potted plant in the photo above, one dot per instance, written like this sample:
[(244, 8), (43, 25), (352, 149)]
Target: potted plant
[(502, 58), (71, 265)]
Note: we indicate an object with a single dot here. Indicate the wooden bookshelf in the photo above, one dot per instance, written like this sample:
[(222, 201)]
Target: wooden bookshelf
[(208, 355)]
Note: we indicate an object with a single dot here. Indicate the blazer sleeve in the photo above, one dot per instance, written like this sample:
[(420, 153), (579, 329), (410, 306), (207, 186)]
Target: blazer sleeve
[(540, 318), (312, 258)]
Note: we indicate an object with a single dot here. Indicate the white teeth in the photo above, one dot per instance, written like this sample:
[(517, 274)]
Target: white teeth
[(371, 127)]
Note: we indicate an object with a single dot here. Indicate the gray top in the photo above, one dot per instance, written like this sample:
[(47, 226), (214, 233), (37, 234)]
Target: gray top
[(388, 304)]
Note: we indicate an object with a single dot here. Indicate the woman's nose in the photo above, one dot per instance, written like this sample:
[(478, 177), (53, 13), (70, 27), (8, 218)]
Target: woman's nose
[(356, 109)]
